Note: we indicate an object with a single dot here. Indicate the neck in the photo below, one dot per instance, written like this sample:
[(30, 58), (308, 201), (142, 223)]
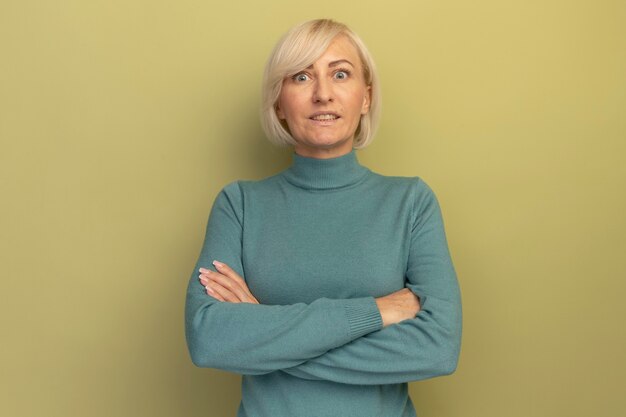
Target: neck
[(327, 173), (334, 151)]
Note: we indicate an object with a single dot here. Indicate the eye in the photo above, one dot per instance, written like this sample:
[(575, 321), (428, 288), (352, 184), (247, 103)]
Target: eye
[(341, 74), (300, 77)]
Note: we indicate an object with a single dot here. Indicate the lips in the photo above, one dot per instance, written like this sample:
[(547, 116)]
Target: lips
[(324, 116)]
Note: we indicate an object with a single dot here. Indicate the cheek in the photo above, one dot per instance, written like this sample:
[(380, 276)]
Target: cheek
[(287, 107), (354, 98)]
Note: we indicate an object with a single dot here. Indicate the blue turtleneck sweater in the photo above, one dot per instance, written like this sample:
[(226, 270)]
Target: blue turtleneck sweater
[(316, 244)]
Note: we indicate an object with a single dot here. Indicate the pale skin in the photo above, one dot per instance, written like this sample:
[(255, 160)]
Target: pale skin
[(322, 106), (333, 86)]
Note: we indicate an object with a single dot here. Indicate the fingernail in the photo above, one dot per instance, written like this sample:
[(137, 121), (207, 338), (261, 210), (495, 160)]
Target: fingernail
[(209, 290), (203, 270), (218, 264)]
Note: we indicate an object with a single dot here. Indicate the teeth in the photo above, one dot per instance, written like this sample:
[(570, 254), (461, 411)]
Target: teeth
[(325, 117)]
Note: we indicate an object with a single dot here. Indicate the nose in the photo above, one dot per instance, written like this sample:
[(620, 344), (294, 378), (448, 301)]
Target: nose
[(322, 91)]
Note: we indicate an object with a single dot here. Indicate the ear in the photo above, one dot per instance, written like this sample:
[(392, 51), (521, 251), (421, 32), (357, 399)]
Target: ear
[(367, 99), (279, 112)]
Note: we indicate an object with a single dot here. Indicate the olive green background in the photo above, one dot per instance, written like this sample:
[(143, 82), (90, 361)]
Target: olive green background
[(121, 120)]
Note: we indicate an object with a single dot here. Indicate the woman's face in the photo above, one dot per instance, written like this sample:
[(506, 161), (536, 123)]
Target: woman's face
[(323, 104)]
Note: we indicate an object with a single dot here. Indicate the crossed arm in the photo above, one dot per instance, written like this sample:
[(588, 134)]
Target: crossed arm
[(224, 318), (226, 285)]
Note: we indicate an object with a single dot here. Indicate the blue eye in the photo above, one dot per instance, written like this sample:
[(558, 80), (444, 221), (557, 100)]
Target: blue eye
[(301, 77), (341, 75)]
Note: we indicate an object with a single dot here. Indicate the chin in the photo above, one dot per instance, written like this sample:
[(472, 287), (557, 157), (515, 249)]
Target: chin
[(327, 142)]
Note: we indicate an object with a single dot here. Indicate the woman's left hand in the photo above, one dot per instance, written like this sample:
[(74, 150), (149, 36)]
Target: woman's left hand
[(226, 284)]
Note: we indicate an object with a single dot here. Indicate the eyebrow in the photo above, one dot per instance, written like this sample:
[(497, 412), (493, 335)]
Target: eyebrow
[(335, 63)]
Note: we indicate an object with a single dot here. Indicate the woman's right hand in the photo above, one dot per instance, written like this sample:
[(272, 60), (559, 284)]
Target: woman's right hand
[(226, 284), (398, 306)]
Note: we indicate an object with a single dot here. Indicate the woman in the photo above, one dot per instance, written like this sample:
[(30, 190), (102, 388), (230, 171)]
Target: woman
[(327, 286)]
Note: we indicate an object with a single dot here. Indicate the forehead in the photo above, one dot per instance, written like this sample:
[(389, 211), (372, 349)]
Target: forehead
[(339, 49)]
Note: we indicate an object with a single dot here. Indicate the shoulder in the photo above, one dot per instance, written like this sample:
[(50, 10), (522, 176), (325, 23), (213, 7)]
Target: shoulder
[(244, 189), (413, 191), (237, 191), (416, 186)]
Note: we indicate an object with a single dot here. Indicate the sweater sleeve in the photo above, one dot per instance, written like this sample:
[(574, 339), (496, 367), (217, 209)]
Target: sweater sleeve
[(256, 339), (420, 348)]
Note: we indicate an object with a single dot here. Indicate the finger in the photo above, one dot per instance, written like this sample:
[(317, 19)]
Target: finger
[(217, 278), (237, 284), (229, 272), (222, 292), (237, 279), (229, 284), (234, 289), (204, 273), (210, 290), (213, 294)]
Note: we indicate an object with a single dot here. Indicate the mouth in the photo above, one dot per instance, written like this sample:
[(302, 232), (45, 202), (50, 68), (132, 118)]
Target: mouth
[(324, 117)]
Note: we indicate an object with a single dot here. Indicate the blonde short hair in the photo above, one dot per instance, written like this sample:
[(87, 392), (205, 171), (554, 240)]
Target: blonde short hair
[(299, 48)]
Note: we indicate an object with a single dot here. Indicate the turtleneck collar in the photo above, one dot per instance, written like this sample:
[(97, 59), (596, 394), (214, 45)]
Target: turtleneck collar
[(323, 174)]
